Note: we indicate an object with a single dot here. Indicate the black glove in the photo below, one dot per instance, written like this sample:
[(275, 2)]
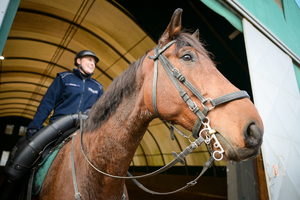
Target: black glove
[(31, 132)]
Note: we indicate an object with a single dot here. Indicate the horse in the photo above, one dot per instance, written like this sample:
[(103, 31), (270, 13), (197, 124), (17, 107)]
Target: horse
[(119, 119)]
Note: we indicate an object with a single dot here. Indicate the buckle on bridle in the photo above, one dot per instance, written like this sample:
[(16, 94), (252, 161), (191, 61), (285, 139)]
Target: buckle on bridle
[(195, 107), (210, 100)]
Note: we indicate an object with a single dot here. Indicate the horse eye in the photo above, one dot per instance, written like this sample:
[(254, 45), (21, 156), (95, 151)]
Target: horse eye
[(187, 57)]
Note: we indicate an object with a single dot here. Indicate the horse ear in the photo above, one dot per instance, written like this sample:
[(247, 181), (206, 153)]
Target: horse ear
[(196, 34), (173, 28)]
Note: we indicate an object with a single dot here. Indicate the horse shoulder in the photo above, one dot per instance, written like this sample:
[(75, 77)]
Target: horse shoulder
[(59, 177)]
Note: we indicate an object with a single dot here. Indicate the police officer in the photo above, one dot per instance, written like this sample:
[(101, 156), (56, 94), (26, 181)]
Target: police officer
[(70, 92)]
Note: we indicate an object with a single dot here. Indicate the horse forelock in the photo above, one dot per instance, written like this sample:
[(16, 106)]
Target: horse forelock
[(183, 39), (107, 104)]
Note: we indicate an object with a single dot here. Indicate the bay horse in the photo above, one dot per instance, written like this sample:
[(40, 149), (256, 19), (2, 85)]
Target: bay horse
[(119, 119)]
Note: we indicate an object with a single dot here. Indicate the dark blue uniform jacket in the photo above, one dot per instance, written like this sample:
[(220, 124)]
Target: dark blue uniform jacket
[(69, 93)]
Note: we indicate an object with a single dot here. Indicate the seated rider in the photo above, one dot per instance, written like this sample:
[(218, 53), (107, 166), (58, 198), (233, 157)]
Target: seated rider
[(69, 93)]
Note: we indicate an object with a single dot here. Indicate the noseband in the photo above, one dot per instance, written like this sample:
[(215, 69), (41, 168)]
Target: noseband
[(174, 74)]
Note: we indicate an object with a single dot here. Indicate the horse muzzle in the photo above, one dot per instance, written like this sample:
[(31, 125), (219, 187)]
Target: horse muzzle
[(253, 137)]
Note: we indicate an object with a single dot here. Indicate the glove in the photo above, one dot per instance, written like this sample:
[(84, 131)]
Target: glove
[(31, 132), (87, 111)]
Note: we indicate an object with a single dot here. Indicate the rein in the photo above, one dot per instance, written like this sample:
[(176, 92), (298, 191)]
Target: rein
[(174, 74), (178, 158)]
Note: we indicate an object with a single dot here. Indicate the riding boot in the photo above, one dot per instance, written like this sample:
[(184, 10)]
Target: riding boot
[(7, 189), (23, 160)]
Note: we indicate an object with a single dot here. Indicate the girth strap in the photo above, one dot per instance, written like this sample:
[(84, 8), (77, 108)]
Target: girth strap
[(77, 194)]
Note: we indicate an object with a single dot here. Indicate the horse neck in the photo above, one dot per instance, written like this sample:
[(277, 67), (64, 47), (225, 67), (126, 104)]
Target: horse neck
[(118, 138), (111, 148)]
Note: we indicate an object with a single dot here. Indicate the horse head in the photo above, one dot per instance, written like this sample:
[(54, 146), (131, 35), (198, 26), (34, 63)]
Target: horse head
[(236, 123)]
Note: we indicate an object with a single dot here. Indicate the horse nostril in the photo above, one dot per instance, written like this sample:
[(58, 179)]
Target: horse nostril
[(252, 135)]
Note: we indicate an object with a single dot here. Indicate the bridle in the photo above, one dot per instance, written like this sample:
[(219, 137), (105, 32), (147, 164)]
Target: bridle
[(175, 76)]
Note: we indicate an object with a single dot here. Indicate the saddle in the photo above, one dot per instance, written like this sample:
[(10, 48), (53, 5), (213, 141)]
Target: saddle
[(39, 171), (37, 154)]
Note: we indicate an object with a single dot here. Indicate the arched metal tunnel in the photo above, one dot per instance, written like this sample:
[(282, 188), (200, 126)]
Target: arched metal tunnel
[(46, 35)]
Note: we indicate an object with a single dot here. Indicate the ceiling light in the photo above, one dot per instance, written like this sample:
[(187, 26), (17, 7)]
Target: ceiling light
[(1, 58)]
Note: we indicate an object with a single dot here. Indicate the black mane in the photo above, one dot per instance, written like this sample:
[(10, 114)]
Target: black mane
[(125, 84)]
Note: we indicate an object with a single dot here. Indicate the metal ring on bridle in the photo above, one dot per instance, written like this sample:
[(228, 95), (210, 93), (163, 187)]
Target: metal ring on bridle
[(207, 136), (205, 123), (210, 100), (218, 159)]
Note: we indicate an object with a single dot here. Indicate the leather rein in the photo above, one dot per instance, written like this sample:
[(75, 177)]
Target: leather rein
[(175, 76)]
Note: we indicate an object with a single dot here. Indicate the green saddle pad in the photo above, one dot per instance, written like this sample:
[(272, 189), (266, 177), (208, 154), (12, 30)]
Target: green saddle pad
[(40, 175)]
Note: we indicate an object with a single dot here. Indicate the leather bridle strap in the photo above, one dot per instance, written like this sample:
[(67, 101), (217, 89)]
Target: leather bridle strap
[(229, 97), (158, 52), (192, 105), (189, 184), (174, 74), (77, 193), (178, 158)]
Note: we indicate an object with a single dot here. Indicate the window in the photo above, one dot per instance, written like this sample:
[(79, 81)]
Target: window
[(9, 129), (4, 158), (22, 130)]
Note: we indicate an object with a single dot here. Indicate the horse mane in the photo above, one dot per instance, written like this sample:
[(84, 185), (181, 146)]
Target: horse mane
[(125, 84), (107, 104)]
